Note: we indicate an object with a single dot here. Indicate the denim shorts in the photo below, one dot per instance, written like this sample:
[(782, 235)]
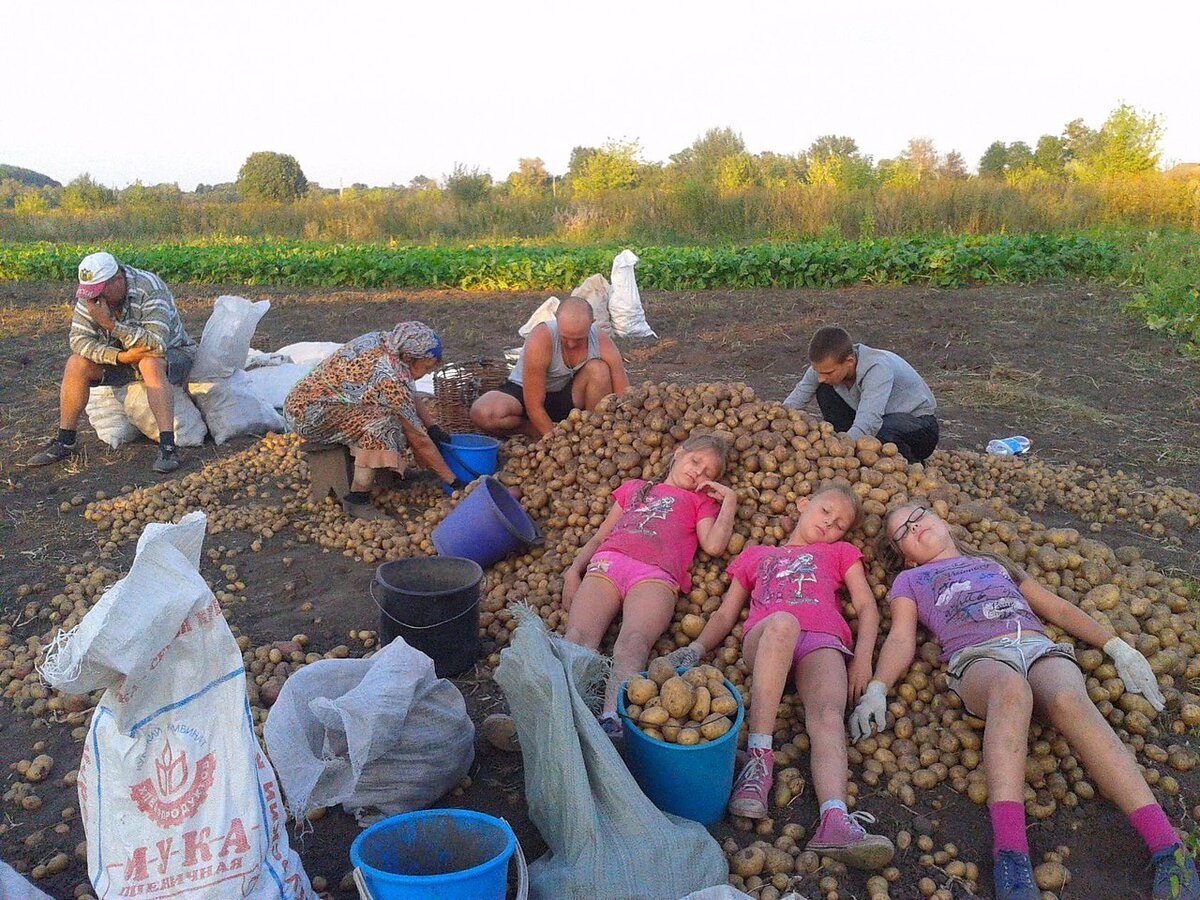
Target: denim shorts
[(1019, 654)]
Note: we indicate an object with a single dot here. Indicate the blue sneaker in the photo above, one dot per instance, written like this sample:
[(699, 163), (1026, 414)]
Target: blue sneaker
[(1014, 877), (1175, 875)]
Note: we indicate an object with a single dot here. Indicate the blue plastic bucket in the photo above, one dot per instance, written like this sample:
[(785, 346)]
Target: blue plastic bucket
[(471, 455), (435, 854), (693, 782), (486, 526)]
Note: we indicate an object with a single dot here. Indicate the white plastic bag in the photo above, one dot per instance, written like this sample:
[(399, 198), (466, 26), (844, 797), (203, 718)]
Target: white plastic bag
[(383, 732), (175, 794), (543, 313), (625, 304), (189, 424), (106, 411), (311, 352), (722, 892), (596, 291), (230, 406), (580, 795), (14, 887), (226, 338), (274, 383)]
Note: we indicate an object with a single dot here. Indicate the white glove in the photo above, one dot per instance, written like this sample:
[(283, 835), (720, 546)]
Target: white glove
[(686, 657), (1133, 669), (871, 707)]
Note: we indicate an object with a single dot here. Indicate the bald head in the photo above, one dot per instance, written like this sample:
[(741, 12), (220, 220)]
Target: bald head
[(575, 310)]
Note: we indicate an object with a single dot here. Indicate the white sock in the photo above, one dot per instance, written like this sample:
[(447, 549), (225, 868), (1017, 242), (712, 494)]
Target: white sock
[(757, 741), (833, 804)]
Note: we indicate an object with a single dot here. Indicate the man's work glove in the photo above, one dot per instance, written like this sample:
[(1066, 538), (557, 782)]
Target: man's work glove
[(686, 657), (437, 434)]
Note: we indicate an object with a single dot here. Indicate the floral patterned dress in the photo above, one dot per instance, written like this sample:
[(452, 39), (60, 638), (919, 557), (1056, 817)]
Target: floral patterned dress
[(358, 397)]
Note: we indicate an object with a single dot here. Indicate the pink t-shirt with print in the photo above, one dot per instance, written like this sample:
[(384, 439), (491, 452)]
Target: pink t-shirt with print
[(803, 581), (661, 529)]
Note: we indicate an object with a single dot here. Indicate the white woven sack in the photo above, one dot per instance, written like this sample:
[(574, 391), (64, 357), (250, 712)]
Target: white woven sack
[(174, 790), (230, 407), (273, 383), (543, 313), (189, 424), (625, 303), (226, 338), (106, 412), (596, 290)]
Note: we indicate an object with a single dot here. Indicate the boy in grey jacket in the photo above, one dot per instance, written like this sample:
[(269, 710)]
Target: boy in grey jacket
[(866, 392)]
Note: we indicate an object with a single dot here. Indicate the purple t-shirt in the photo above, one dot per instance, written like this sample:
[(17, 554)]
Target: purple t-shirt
[(965, 601)]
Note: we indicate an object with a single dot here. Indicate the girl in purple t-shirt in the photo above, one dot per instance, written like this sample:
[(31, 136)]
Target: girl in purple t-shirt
[(987, 615), (795, 627), (638, 560)]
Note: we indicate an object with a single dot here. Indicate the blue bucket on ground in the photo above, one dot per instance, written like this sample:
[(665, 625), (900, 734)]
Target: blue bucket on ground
[(693, 782), (486, 526), (470, 456), (435, 854)]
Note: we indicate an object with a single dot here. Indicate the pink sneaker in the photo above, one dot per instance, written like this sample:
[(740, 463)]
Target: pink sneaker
[(752, 787), (842, 837)]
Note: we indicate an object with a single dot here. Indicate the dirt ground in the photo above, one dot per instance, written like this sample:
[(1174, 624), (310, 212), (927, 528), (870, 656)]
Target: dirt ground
[(1059, 363)]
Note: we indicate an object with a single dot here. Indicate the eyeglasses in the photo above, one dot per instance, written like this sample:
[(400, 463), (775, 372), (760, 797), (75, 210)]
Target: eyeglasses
[(913, 518)]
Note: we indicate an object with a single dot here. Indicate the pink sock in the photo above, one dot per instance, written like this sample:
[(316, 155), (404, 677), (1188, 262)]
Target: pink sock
[(1154, 827), (1008, 827)]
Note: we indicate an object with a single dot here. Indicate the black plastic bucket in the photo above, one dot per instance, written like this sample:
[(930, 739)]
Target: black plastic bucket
[(433, 603)]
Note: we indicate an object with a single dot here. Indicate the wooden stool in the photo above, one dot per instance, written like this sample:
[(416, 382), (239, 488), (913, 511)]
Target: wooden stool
[(329, 469)]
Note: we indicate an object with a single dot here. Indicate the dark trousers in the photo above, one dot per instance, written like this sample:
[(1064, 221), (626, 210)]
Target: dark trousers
[(915, 437)]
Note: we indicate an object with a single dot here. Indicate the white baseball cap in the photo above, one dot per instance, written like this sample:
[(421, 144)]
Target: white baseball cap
[(94, 271)]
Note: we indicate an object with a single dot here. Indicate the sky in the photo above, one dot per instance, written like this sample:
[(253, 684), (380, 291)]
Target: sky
[(378, 93)]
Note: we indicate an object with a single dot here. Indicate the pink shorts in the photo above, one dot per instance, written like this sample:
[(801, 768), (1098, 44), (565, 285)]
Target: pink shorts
[(625, 571), (809, 640)]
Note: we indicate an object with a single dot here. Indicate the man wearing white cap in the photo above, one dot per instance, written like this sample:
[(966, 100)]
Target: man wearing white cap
[(125, 328)]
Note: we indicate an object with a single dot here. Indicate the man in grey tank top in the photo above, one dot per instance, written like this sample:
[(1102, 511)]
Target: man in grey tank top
[(565, 364)]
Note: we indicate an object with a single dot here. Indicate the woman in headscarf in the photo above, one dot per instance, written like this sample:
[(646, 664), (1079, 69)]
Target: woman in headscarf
[(364, 396)]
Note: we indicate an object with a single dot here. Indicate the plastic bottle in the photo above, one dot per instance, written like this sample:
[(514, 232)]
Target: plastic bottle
[(1009, 446)]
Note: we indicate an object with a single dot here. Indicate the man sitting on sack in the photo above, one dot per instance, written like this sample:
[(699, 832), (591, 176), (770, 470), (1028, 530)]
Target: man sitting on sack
[(125, 328), (565, 364), (867, 392)]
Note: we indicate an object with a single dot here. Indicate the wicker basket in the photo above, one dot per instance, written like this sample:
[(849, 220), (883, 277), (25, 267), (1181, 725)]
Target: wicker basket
[(457, 385)]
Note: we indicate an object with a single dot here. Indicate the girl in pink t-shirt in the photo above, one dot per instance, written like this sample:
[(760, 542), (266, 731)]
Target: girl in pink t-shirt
[(986, 613), (795, 626), (638, 560)]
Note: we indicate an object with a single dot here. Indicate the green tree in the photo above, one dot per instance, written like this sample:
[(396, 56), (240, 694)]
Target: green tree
[(833, 145), (920, 157), (1079, 141), (579, 158), (84, 193), (530, 178), (778, 169), (615, 166), (422, 183), (1019, 155), (703, 158), (1128, 142), (994, 161), (271, 176), (737, 172), (468, 186), (952, 166), (1050, 154)]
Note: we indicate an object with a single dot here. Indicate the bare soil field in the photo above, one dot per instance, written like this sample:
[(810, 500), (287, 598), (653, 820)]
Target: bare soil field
[(1058, 363)]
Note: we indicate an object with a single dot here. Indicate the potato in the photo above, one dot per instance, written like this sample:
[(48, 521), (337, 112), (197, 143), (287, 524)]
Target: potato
[(688, 737), (1051, 876), (677, 697), (655, 715), (725, 706), (748, 861), (714, 726), (501, 732), (640, 690), (660, 671), (700, 705)]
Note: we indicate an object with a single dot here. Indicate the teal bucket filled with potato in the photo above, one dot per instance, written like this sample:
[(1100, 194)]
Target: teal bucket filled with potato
[(691, 780)]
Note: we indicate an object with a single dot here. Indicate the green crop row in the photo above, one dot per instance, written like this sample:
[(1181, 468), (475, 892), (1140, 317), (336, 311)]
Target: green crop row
[(1162, 268), (943, 261)]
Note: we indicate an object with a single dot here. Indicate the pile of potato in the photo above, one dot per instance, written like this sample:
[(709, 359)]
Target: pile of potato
[(565, 482), (691, 708)]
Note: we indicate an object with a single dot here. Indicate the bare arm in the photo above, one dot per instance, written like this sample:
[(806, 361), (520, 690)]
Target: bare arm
[(1067, 616), (722, 621), (423, 413), (426, 452), (538, 352), (616, 364), (901, 644), (714, 534), (573, 577), (868, 629)]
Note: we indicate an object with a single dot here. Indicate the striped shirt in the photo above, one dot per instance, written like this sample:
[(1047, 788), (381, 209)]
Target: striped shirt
[(148, 319)]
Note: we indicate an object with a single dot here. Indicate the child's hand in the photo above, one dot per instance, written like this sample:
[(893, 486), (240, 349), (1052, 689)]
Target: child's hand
[(716, 490), (571, 582), (858, 675), (871, 709)]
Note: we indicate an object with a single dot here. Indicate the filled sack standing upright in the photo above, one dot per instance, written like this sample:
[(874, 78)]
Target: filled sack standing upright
[(596, 290), (190, 429), (106, 412), (625, 303), (176, 796), (225, 341)]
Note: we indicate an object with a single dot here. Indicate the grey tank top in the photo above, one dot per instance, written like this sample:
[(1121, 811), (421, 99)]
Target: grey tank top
[(559, 375)]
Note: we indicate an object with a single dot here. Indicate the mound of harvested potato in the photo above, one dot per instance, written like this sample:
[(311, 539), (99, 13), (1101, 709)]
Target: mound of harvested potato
[(688, 708)]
